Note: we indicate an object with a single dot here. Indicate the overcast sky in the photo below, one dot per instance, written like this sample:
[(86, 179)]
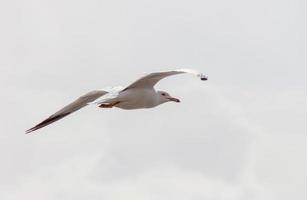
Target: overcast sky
[(240, 135)]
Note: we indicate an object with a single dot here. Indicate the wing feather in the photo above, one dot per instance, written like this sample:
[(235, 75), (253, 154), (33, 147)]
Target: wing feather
[(150, 80), (70, 108)]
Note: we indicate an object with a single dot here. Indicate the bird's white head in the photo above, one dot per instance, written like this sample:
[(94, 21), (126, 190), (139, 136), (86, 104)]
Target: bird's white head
[(166, 97)]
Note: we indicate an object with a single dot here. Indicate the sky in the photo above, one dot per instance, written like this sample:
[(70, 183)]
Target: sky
[(240, 135)]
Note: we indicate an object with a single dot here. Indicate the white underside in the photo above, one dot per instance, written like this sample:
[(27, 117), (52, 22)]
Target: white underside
[(134, 99)]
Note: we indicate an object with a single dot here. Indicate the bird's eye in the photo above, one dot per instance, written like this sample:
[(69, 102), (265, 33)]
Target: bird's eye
[(163, 94)]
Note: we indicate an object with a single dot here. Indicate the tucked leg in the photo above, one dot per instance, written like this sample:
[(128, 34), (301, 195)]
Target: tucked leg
[(108, 105)]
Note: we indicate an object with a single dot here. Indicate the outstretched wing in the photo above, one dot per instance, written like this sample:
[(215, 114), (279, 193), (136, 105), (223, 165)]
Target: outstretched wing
[(70, 108), (150, 80)]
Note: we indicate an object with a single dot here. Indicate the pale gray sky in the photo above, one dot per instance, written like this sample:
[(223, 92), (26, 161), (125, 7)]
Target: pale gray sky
[(241, 135)]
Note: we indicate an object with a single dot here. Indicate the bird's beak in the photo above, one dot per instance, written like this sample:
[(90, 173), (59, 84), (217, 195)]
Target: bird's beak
[(173, 99)]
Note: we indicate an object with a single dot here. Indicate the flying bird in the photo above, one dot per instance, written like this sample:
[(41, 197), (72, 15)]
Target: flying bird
[(139, 94)]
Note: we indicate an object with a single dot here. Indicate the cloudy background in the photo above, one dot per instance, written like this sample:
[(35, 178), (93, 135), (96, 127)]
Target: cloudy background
[(241, 135)]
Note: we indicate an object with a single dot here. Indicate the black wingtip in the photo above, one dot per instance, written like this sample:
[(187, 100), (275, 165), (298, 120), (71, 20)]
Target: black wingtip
[(203, 77), (29, 131), (46, 122)]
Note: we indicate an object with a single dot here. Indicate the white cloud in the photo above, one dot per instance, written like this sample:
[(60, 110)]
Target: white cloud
[(74, 180)]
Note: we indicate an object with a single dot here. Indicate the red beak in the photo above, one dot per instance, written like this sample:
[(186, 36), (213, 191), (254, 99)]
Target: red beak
[(173, 99)]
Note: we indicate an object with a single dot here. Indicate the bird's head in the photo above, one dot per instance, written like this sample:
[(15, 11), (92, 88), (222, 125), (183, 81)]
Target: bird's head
[(166, 97)]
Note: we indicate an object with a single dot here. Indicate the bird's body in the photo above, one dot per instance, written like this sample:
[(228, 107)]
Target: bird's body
[(135, 99), (140, 94)]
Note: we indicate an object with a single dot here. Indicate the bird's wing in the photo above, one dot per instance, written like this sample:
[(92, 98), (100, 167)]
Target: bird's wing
[(70, 108), (150, 80)]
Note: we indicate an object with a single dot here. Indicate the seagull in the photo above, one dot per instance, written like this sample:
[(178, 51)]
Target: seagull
[(140, 94)]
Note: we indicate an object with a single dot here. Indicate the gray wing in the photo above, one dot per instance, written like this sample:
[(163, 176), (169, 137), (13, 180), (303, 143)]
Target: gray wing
[(150, 80), (70, 108)]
